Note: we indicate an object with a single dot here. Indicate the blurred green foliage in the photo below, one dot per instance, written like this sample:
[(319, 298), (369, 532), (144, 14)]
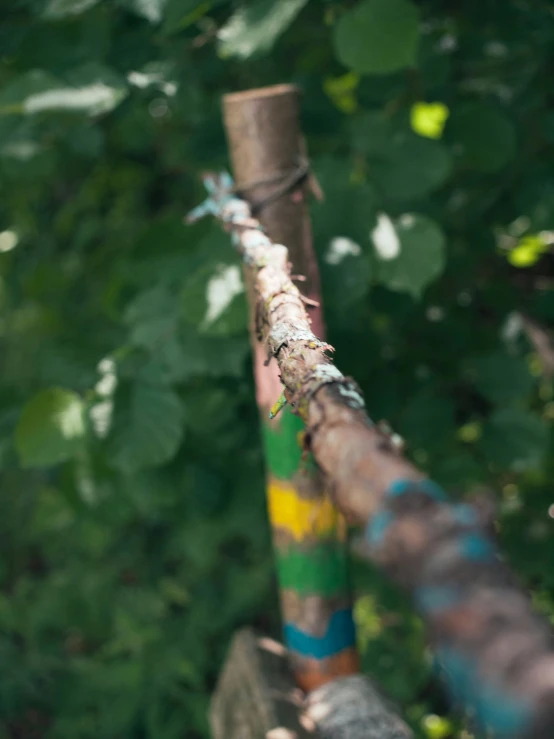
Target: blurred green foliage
[(132, 519)]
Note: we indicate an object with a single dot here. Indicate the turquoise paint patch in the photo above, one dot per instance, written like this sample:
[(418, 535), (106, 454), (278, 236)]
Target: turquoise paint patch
[(475, 546), (340, 635), (432, 489), (465, 515), (433, 598), (377, 527), (458, 673), (401, 487), (504, 714)]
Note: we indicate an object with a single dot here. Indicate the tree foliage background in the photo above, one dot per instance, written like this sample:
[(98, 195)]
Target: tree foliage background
[(133, 534)]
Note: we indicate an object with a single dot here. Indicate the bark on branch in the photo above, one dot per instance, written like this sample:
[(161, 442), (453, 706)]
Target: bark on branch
[(495, 652)]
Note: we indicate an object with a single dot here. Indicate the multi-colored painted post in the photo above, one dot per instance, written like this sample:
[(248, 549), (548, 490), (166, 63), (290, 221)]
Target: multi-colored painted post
[(309, 534)]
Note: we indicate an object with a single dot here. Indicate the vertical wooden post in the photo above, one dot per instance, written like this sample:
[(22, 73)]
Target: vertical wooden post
[(309, 534)]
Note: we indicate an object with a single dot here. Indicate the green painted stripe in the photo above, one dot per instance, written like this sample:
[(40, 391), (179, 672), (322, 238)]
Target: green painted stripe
[(282, 452), (321, 570)]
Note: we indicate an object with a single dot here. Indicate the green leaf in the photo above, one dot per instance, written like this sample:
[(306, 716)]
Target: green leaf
[(152, 10), (181, 358), (534, 198), (420, 258), (427, 420), (401, 165), (24, 86), (51, 428), (152, 317), (378, 36), (354, 209), (213, 300), (515, 439), (64, 8), (147, 426), (214, 357), (500, 378), (255, 29), (345, 275), (457, 469), (179, 14), (428, 119), (484, 135), (528, 251), (411, 167)]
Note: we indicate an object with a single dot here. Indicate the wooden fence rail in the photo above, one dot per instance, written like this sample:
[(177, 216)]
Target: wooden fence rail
[(496, 653)]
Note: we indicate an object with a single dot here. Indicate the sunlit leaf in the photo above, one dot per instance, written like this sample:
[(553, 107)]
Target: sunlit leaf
[(421, 257), (342, 91), (428, 119), (152, 10), (63, 8), (528, 251), (254, 29), (51, 428), (91, 89), (437, 727)]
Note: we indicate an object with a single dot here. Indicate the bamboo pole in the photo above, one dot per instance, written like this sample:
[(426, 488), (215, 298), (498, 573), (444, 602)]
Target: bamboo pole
[(309, 534), (496, 653)]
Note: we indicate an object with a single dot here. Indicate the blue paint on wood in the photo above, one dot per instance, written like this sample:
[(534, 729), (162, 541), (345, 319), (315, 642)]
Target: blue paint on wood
[(340, 635), (434, 598), (465, 515), (402, 487), (503, 713), (377, 527), (477, 547), (506, 715)]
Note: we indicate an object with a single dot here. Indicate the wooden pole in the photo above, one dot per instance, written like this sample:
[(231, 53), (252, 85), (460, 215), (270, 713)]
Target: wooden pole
[(309, 534), (264, 136)]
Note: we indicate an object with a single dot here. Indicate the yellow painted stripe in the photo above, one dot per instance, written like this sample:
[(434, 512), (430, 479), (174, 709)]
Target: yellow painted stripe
[(300, 516)]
